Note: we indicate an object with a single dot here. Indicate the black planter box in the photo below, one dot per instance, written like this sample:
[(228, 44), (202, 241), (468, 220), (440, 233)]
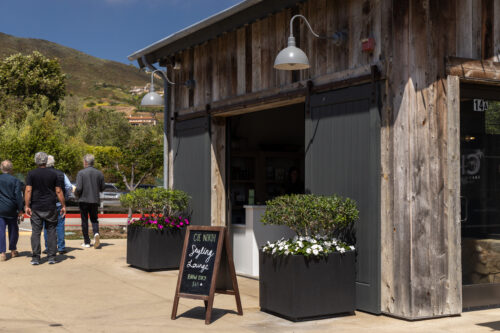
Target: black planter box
[(299, 288), (151, 249)]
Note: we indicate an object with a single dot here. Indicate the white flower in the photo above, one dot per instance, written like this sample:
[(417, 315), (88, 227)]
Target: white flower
[(271, 246), (308, 251), (342, 250), (287, 252), (351, 247), (316, 252), (337, 248), (313, 241), (327, 244), (274, 250), (300, 244), (264, 248)]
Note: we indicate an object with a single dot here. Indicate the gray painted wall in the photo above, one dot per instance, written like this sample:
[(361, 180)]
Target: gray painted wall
[(343, 157), (191, 148)]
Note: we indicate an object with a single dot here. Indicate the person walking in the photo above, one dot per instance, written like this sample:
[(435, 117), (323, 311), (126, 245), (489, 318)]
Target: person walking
[(89, 183), (43, 189), (11, 206), (61, 219)]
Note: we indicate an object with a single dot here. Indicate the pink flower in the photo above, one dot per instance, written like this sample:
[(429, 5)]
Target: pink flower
[(181, 223), (186, 220), (160, 227)]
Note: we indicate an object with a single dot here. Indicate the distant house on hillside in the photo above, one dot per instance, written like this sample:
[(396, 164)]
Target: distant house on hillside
[(142, 120)]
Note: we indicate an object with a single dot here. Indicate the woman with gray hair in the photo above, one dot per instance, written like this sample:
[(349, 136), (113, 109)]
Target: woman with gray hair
[(43, 188)]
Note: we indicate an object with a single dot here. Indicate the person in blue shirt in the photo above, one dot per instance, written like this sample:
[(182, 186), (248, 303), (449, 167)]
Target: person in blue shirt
[(61, 219), (11, 206)]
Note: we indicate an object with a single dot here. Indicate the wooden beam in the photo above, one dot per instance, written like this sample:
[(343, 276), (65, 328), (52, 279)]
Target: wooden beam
[(473, 69), (286, 95)]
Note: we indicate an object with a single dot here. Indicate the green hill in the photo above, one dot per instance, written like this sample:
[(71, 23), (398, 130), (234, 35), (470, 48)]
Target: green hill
[(86, 76)]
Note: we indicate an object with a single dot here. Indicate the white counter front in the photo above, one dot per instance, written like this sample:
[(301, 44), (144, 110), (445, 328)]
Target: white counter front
[(249, 237)]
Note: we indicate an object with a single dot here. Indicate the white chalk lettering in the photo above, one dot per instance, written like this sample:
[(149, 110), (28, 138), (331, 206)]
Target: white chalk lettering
[(196, 252)]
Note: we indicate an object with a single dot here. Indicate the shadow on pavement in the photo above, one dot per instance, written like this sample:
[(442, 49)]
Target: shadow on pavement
[(494, 325), (199, 313)]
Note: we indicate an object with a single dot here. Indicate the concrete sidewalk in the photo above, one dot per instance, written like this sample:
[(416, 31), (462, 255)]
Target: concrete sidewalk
[(95, 290)]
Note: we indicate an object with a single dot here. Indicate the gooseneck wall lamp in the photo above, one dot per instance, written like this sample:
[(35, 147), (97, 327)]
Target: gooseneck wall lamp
[(152, 99), (293, 58)]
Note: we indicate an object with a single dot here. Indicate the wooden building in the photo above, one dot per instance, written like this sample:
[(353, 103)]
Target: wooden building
[(407, 128)]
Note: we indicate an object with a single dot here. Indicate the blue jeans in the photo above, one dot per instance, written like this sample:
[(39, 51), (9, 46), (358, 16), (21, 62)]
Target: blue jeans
[(61, 220), (11, 224)]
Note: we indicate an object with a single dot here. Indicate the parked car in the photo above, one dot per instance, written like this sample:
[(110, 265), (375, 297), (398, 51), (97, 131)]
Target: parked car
[(111, 192)]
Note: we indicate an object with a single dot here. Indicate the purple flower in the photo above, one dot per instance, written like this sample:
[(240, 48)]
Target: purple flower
[(186, 220)]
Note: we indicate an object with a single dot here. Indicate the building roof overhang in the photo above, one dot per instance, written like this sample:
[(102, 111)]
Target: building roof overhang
[(227, 20)]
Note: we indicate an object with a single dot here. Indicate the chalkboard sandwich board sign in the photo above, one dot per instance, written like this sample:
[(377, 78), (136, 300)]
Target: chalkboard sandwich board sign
[(206, 268)]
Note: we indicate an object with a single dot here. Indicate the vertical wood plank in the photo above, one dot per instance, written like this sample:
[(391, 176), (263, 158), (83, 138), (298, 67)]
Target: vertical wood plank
[(208, 69), (256, 56), (265, 67), (376, 15), (223, 74), (452, 193), (355, 26), (218, 164), (199, 75), (387, 222), (496, 31), (214, 51), (400, 299), (476, 29), (464, 28), (233, 63), (186, 67), (487, 17), (320, 46), (240, 61)]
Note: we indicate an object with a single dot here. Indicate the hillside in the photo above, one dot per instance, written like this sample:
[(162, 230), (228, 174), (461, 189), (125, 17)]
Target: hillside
[(86, 76)]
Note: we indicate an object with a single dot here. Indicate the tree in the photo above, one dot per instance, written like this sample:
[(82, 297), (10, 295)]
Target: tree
[(141, 156), (24, 79), (40, 131)]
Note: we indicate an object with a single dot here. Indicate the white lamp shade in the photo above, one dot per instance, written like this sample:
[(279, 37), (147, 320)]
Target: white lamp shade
[(291, 57), (152, 99)]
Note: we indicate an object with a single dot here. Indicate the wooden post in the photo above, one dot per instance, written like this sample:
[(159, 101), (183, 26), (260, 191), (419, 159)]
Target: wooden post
[(218, 172)]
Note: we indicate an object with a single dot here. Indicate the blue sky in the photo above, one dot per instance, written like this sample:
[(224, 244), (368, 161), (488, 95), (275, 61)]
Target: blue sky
[(110, 29)]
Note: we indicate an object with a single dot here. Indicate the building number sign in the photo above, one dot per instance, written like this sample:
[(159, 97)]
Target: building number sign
[(480, 105)]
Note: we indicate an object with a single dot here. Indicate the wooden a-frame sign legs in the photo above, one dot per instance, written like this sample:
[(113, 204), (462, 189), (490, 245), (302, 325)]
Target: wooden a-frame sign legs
[(206, 268)]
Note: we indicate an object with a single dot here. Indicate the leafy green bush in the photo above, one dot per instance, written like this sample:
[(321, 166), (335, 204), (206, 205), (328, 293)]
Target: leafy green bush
[(311, 215), (156, 201)]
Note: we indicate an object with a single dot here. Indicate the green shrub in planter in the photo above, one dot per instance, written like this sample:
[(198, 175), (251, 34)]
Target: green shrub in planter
[(159, 208), (314, 216), (155, 240), (320, 253)]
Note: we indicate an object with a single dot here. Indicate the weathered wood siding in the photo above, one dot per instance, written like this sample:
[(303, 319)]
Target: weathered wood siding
[(241, 62), (421, 269)]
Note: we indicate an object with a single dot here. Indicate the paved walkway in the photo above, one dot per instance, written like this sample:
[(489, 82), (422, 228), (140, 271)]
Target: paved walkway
[(96, 291)]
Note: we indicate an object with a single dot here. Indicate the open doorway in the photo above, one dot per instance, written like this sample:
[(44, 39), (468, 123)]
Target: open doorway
[(266, 157)]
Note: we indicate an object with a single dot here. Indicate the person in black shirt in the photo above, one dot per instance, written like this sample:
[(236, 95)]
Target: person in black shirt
[(43, 188)]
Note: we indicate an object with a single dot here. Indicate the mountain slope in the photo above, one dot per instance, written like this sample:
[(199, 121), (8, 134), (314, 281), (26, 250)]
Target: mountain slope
[(85, 74)]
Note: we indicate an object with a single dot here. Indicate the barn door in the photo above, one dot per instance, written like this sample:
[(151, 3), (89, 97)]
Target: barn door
[(343, 157), (191, 149)]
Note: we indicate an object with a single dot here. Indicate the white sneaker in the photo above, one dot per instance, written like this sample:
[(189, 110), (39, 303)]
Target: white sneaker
[(97, 242), (85, 245)]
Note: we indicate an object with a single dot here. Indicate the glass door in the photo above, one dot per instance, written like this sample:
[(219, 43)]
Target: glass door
[(480, 195)]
